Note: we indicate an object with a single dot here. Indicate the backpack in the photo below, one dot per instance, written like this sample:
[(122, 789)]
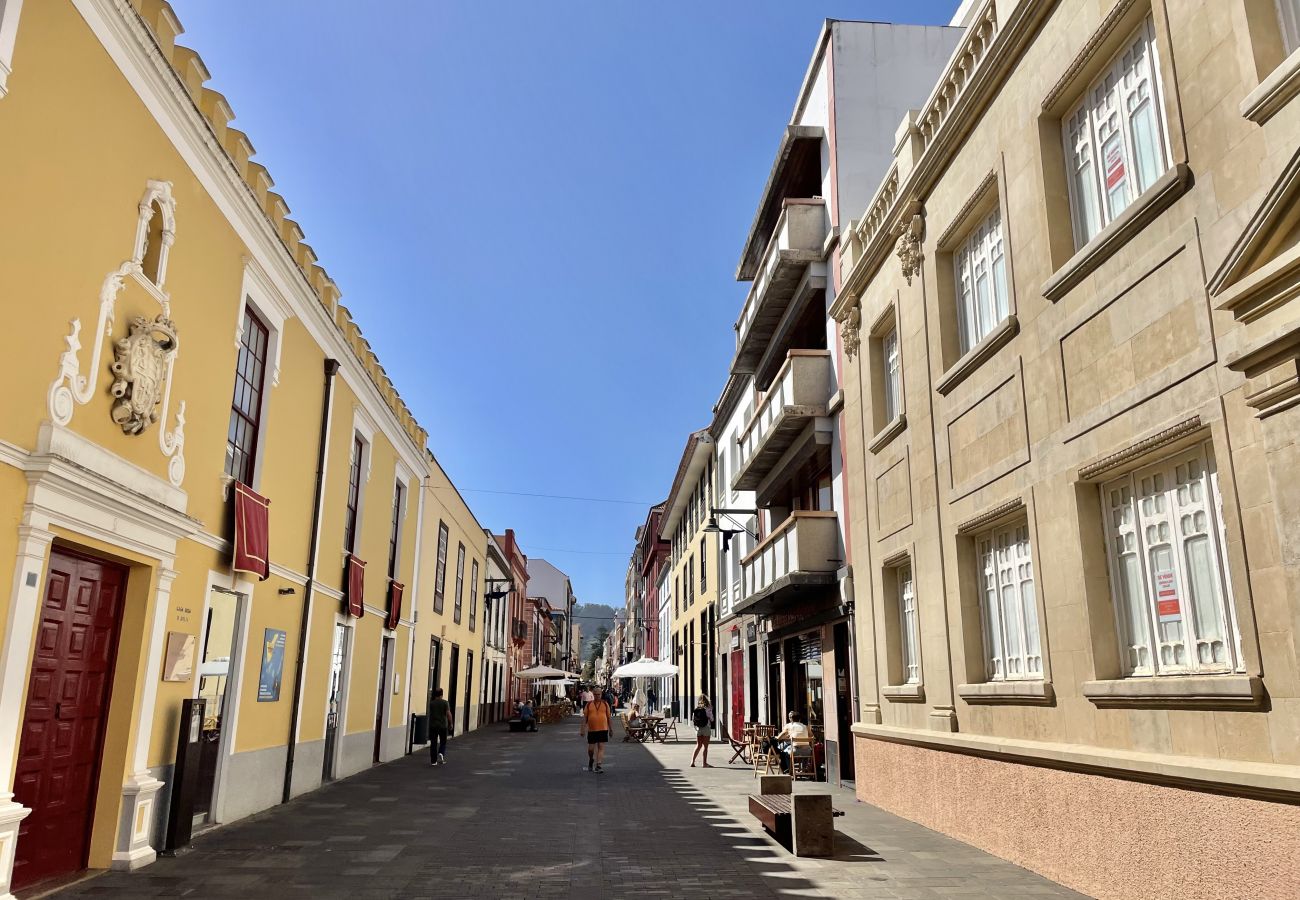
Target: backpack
[(700, 718)]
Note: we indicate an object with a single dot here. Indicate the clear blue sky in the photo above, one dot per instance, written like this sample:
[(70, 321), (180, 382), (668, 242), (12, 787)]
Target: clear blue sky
[(534, 211)]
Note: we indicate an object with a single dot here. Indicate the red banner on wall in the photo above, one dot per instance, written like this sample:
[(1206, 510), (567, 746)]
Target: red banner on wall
[(395, 589), (251, 544), (354, 585)]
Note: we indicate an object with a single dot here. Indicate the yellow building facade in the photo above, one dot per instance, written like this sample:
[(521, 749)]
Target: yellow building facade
[(178, 340), (450, 621), (693, 577), (1070, 408)]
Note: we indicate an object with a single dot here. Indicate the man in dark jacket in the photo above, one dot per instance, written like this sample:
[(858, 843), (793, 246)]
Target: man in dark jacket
[(439, 727)]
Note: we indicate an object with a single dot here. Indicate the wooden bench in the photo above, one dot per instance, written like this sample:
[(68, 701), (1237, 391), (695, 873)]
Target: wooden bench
[(802, 823), (518, 724)]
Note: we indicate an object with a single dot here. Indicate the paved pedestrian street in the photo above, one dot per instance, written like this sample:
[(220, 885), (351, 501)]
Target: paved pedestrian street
[(518, 815)]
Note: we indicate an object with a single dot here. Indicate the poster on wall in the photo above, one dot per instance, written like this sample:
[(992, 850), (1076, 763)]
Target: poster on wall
[(268, 685)]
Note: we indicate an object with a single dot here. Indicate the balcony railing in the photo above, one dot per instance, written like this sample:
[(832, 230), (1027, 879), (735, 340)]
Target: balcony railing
[(795, 246), (799, 394), (804, 550)]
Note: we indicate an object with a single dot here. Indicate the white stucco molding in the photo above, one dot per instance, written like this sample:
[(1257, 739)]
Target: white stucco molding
[(133, 49), (258, 289), (364, 424), (82, 489), (9, 10), (71, 388)]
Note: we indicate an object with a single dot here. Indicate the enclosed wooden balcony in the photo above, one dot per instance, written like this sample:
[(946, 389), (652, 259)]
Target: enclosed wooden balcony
[(791, 263), (802, 554), (798, 396)]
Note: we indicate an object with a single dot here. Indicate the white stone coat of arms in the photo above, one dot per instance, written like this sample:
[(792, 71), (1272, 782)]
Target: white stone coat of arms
[(139, 371), (144, 359)]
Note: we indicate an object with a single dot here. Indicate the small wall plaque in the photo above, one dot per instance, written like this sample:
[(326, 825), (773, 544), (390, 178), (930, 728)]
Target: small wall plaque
[(178, 662)]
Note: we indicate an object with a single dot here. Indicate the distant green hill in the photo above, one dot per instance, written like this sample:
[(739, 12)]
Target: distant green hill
[(592, 617)]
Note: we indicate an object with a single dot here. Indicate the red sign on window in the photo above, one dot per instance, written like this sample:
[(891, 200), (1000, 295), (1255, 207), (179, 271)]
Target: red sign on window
[(1114, 166), (1167, 606)]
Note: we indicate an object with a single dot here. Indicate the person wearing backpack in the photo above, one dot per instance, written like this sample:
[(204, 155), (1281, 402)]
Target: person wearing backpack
[(702, 719)]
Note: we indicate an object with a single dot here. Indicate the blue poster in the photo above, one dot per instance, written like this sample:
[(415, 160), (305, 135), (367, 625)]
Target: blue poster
[(268, 686)]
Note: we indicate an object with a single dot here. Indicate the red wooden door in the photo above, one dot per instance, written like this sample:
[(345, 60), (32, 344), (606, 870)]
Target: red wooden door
[(737, 673), (63, 726)]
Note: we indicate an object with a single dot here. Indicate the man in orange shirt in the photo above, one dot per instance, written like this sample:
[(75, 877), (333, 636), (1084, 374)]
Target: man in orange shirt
[(595, 725)]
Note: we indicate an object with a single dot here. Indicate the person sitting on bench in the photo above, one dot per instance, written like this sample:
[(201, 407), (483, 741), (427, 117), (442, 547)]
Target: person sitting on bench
[(526, 716)]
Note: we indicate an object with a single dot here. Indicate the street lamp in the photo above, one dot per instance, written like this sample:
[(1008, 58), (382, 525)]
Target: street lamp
[(711, 525)]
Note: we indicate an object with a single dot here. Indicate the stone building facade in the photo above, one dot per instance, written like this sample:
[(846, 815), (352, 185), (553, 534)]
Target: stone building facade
[(1071, 413)]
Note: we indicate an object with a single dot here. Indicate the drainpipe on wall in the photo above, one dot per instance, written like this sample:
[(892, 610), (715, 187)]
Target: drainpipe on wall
[(327, 398)]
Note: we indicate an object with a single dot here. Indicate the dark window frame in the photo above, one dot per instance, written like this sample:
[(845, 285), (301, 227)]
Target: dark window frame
[(395, 532), (247, 399), (440, 577), (473, 593), (352, 513), (460, 583)]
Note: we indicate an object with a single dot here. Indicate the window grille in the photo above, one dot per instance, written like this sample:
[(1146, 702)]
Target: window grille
[(1008, 606), (893, 375), (1115, 145), (981, 282), (909, 646), (1168, 571)]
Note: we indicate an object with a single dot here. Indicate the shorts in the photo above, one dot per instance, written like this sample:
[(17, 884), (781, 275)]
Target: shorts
[(597, 737), (704, 731)]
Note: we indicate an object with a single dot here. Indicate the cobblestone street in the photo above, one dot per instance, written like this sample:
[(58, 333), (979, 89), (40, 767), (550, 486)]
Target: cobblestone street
[(519, 815)]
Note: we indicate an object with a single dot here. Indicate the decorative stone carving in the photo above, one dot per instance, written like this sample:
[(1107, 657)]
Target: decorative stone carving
[(141, 373), (142, 362), (908, 247), (850, 328)]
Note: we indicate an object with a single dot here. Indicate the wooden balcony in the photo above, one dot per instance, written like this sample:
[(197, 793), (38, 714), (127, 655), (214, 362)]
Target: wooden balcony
[(799, 395), (792, 262), (802, 553)]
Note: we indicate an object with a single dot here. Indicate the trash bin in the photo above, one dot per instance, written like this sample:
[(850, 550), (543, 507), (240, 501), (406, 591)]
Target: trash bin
[(419, 729)]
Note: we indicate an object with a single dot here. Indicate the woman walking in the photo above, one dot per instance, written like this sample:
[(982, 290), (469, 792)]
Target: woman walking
[(702, 719)]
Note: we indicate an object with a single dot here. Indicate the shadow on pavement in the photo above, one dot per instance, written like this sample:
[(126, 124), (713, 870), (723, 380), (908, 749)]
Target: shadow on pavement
[(510, 814)]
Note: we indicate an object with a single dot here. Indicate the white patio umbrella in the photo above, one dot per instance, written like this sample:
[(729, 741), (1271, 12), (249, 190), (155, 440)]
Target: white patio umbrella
[(539, 672), (645, 667), (554, 682)]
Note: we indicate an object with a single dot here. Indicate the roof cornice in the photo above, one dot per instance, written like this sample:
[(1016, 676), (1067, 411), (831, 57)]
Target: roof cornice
[(169, 90), (698, 447)]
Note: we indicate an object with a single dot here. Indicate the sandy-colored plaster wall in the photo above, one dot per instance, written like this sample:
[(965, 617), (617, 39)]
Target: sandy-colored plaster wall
[(1125, 839), (1133, 348)]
